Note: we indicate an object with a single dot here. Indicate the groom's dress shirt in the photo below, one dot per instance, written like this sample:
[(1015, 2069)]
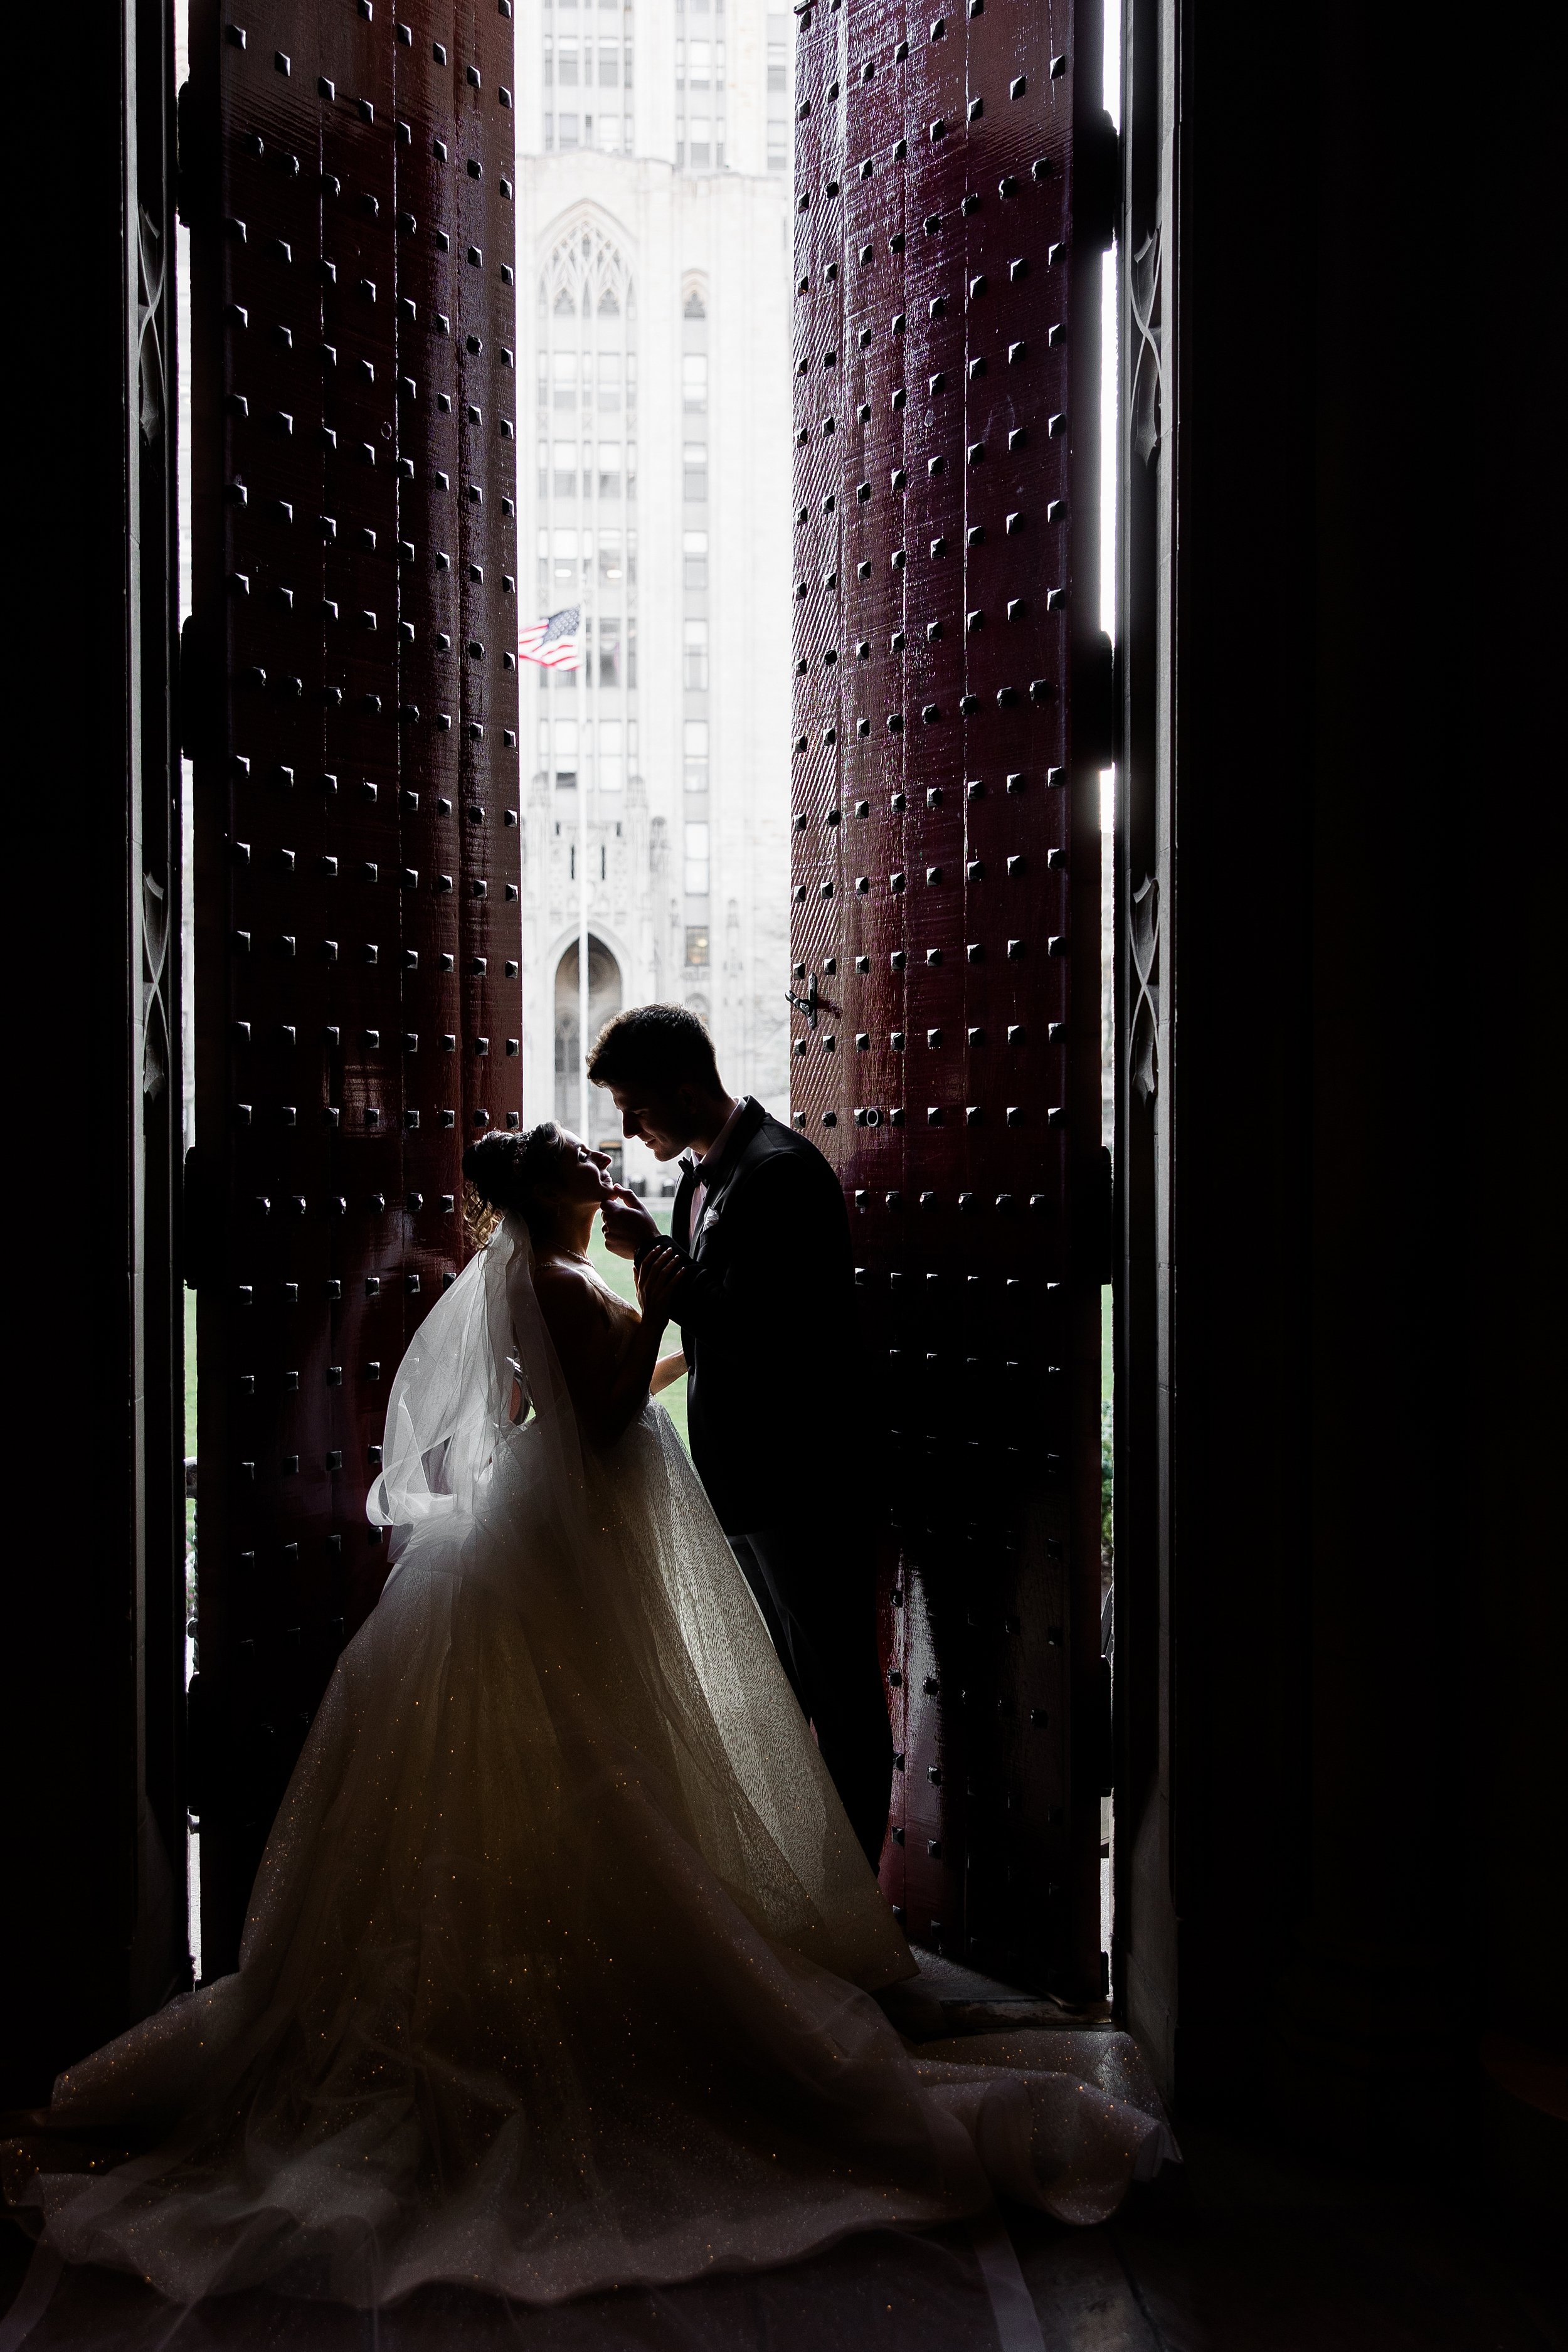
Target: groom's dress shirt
[(706, 1169)]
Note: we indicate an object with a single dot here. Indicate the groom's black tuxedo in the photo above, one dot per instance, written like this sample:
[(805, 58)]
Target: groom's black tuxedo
[(767, 1317)]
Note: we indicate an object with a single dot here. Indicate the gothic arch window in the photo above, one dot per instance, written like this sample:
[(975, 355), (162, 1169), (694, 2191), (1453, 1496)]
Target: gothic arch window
[(604, 1003), (586, 396)]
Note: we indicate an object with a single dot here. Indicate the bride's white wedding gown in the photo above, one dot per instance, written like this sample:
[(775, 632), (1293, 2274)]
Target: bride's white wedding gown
[(557, 1969)]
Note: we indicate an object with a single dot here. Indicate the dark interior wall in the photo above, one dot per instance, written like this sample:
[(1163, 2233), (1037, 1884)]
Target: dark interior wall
[(1502, 1128), (1367, 1205), (1364, 1744), (1240, 1115), (69, 1558), (70, 1730), (1385, 1943)]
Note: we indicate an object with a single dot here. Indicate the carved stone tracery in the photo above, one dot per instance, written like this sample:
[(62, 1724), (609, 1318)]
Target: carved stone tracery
[(1143, 1027)]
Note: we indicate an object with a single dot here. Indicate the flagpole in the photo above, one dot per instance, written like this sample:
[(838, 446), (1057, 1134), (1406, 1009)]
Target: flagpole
[(583, 914), (585, 767)]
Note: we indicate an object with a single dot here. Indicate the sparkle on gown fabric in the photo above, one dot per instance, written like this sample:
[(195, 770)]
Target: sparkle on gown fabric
[(557, 1971)]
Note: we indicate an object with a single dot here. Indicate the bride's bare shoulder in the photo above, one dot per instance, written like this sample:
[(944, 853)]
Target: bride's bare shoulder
[(568, 1289), (563, 1276)]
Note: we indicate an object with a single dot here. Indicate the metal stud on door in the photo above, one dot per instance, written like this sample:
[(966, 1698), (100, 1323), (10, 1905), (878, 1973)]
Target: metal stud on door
[(352, 711), (946, 892)]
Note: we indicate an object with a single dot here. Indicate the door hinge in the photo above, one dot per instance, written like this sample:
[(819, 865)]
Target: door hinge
[(195, 1224), (183, 142), (1094, 702), (185, 683), (198, 698), (1095, 183), (198, 1748), (193, 152)]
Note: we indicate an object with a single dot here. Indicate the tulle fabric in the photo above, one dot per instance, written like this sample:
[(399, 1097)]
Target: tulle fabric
[(557, 1971)]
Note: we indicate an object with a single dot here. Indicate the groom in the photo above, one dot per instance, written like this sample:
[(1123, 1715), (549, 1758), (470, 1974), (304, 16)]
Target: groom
[(766, 1313)]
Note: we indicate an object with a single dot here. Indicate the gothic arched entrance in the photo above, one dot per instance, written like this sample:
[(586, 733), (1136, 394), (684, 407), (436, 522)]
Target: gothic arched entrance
[(603, 1002)]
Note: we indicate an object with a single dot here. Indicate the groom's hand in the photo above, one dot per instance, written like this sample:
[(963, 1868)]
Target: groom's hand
[(627, 1224)]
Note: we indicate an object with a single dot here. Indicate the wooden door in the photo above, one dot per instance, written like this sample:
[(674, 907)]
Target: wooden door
[(351, 705), (951, 715)]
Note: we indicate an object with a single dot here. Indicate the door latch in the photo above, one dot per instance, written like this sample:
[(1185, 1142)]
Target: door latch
[(807, 1003)]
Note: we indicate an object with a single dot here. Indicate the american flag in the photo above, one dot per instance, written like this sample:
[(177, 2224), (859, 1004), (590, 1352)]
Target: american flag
[(553, 644)]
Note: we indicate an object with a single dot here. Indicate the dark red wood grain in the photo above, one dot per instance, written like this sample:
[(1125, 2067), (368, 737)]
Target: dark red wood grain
[(946, 896), (351, 709)]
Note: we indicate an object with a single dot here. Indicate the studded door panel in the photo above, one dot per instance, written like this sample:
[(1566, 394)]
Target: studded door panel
[(945, 919), (351, 702)]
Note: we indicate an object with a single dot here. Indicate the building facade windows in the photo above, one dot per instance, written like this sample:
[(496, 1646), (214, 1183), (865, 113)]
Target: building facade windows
[(779, 111), (586, 374), (558, 748), (695, 675), (607, 639), (651, 850), (588, 50), (700, 86), (561, 554)]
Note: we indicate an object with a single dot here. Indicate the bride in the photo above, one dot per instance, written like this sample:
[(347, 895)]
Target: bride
[(559, 1966)]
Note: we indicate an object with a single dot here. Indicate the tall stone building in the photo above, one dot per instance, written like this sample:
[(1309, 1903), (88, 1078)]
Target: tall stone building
[(653, 259)]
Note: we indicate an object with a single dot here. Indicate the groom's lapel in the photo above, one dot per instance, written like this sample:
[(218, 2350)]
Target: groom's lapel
[(713, 1201), (678, 1215), (734, 1158)]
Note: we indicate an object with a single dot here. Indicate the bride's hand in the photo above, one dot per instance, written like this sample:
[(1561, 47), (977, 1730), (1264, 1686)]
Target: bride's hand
[(659, 1276)]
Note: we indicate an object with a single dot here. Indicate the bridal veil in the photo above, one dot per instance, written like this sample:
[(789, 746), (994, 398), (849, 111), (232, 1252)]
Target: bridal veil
[(557, 1971)]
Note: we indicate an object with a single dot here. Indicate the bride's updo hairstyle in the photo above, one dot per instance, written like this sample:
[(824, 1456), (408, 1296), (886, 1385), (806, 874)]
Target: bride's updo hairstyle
[(508, 1173)]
